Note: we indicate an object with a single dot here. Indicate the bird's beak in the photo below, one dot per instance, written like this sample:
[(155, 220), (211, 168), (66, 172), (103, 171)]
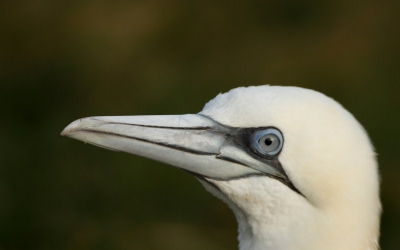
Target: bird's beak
[(195, 143)]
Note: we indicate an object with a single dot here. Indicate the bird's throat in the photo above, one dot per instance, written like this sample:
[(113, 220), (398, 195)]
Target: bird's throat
[(269, 214)]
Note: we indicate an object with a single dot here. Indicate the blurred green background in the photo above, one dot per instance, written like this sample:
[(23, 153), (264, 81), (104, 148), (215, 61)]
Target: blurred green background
[(63, 60)]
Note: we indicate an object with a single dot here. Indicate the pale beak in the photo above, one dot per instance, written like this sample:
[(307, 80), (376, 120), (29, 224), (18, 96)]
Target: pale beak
[(195, 143)]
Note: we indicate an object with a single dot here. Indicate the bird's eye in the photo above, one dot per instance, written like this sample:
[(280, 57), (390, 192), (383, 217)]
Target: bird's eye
[(268, 141)]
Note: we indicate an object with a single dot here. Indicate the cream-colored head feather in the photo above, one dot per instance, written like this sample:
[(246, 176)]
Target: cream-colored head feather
[(328, 157)]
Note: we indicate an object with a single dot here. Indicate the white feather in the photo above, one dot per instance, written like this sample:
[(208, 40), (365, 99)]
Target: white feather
[(328, 157)]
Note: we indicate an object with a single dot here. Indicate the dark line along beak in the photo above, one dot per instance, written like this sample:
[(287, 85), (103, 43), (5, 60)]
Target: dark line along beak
[(192, 142)]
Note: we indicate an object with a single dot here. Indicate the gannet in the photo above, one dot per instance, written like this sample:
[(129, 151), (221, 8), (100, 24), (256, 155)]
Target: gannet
[(296, 168)]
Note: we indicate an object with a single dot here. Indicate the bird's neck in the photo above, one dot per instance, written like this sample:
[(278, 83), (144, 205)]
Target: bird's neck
[(271, 222), (272, 217)]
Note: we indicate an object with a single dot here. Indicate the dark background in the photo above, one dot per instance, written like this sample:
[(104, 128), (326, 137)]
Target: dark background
[(63, 60)]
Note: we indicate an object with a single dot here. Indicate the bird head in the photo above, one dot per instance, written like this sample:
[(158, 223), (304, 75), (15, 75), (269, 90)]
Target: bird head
[(293, 164)]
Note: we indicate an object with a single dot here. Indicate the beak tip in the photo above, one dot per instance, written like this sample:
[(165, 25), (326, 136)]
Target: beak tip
[(72, 127), (63, 133)]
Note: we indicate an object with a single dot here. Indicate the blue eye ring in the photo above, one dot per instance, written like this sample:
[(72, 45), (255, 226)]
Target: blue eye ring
[(267, 141)]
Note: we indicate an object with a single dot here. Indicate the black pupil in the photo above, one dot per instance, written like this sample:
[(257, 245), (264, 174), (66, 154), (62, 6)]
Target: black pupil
[(268, 141)]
